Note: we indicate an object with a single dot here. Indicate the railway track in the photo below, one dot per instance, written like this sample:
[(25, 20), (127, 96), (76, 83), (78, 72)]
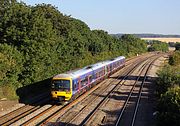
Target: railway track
[(50, 113), (60, 112), (93, 114), (93, 101), (38, 120), (23, 111), (126, 117)]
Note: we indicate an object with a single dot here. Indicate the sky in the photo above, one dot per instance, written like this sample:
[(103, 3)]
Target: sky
[(122, 16)]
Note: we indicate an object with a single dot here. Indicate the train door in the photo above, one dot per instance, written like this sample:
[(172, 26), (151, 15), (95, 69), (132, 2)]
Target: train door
[(90, 78), (79, 84), (111, 67), (105, 70)]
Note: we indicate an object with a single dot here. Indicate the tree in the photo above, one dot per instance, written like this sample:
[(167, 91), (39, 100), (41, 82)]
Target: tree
[(11, 61), (158, 46), (42, 42), (177, 46), (175, 58), (133, 45)]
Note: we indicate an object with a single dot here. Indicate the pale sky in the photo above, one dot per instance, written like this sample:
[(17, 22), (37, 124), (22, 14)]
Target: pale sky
[(122, 16)]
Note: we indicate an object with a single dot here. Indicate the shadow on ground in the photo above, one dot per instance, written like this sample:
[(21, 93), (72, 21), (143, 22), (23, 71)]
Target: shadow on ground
[(33, 93)]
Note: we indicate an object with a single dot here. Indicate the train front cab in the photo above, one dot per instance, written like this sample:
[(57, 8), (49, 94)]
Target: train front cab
[(61, 89)]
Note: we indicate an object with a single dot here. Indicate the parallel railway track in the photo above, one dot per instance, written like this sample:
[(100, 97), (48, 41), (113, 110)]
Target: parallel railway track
[(137, 95), (61, 113), (105, 100), (89, 118), (21, 112), (56, 113)]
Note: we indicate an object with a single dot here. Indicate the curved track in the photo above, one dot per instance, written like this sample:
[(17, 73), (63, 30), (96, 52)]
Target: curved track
[(85, 107), (62, 113)]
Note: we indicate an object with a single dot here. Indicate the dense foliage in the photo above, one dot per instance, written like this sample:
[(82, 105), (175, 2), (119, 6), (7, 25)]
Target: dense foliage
[(37, 42), (169, 108), (158, 46), (168, 89), (177, 46), (175, 59)]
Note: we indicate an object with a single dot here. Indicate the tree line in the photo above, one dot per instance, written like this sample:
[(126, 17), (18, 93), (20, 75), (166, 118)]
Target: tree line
[(156, 45), (150, 35), (37, 42)]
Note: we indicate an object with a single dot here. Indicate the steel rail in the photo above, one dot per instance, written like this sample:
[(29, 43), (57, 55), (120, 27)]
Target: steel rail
[(119, 76), (61, 110), (19, 113), (140, 93), (124, 106), (88, 118)]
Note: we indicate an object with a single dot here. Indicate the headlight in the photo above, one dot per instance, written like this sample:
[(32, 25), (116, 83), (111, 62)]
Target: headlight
[(68, 92)]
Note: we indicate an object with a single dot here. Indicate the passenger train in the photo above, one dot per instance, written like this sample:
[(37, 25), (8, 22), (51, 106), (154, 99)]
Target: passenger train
[(70, 85)]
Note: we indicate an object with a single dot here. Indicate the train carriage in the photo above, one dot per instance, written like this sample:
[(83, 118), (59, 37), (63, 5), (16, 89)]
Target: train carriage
[(81, 80), (70, 85), (76, 81)]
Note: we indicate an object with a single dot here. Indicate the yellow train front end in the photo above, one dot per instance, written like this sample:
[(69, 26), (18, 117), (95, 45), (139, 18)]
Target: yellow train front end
[(61, 89)]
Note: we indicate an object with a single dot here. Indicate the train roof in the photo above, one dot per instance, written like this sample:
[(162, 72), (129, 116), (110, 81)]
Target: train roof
[(119, 58), (107, 62), (64, 75), (87, 69), (73, 74), (80, 72), (98, 65)]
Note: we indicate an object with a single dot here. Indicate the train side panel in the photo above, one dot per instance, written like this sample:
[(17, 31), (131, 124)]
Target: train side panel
[(84, 82), (81, 84)]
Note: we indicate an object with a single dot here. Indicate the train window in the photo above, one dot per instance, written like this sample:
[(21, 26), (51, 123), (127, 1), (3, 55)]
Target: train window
[(97, 75), (63, 85), (74, 86), (90, 78), (94, 76), (102, 72), (84, 81)]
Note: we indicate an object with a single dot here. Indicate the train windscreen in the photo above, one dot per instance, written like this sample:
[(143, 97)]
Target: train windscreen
[(61, 85)]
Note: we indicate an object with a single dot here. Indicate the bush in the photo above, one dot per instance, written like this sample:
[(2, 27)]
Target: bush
[(177, 46), (168, 88), (167, 77), (8, 91), (158, 46), (175, 58), (169, 108)]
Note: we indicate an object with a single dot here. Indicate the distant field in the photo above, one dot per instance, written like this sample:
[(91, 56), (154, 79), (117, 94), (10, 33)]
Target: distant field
[(164, 39)]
